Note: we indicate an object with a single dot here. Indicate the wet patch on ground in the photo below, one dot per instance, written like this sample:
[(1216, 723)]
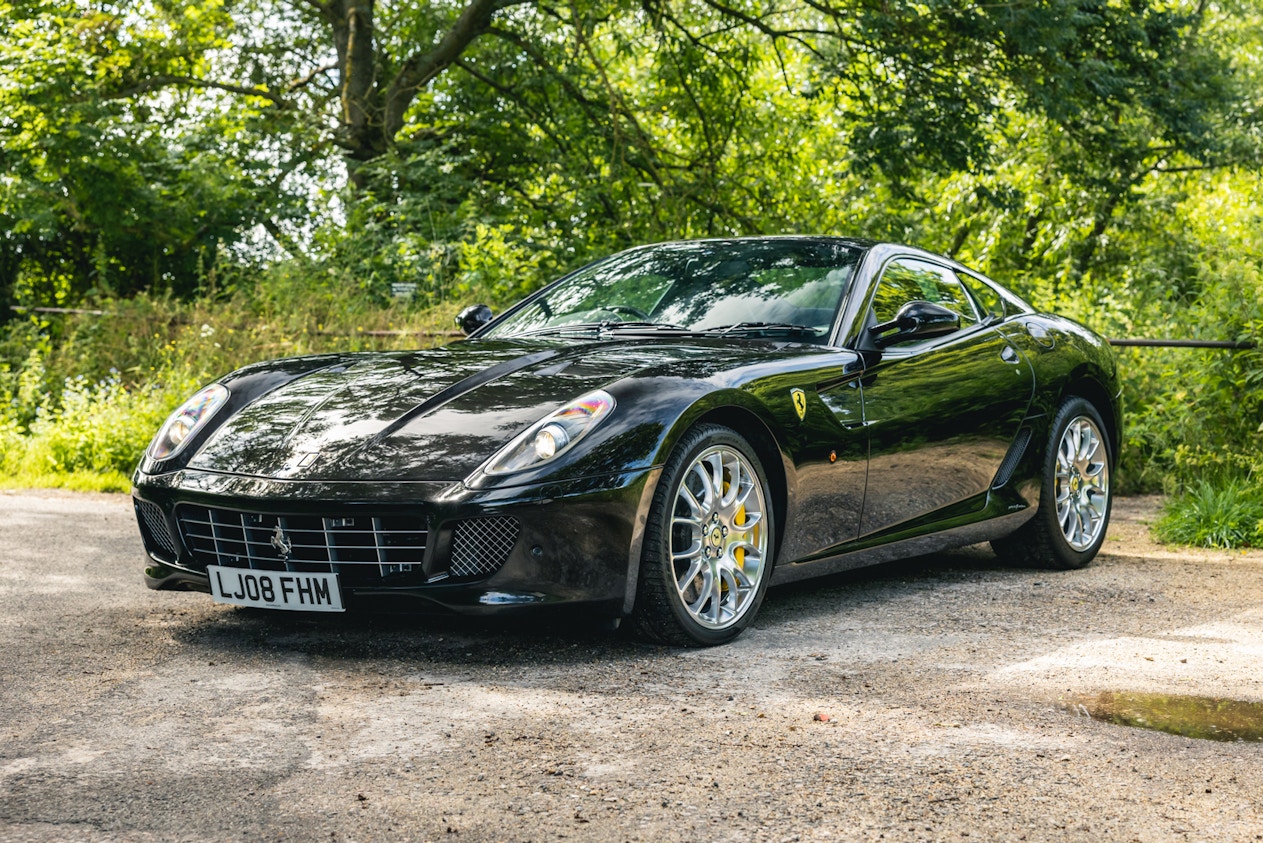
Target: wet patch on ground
[(1207, 718)]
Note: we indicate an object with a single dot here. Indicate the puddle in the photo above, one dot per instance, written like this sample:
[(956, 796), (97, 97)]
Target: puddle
[(1209, 718)]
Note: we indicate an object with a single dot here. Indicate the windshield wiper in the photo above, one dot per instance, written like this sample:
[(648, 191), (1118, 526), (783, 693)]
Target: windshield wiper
[(741, 329), (641, 326), (609, 325), (747, 329)]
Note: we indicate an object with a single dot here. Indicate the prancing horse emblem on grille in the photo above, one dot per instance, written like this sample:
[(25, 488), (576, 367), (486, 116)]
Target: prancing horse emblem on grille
[(282, 543)]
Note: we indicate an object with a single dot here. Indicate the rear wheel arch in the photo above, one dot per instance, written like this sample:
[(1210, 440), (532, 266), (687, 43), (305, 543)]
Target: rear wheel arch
[(1090, 389), (1068, 528)]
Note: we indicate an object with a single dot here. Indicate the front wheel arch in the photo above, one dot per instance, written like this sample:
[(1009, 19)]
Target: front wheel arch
[(775, 464), (709, 520)]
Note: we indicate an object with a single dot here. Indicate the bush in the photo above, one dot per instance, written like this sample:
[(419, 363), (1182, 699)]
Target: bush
[(1215, 513), (91, 438), (81, 395)]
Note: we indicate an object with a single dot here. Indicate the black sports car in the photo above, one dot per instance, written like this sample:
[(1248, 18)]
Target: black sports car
[(659, 436)]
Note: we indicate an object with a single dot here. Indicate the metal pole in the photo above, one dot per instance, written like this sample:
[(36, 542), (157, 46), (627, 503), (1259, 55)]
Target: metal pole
[(1236, 345)]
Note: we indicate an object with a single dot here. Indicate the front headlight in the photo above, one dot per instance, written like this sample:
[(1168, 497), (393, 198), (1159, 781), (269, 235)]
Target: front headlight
[(186, 421), (553, 435)]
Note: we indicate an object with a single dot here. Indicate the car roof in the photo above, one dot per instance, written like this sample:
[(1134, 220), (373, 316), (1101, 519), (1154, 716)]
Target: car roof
[(857, 242)]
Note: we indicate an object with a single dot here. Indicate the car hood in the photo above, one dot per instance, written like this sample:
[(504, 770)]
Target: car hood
[(421, 415)]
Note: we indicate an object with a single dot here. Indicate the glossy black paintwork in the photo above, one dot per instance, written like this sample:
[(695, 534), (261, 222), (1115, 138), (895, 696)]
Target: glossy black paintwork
[(940, 422), (896, 450)]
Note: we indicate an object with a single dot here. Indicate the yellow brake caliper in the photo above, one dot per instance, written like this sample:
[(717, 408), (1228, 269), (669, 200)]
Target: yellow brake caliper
[(740, 553)]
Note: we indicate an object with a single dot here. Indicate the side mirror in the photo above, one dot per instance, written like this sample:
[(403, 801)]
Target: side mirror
[(916, 320), (473, 317)]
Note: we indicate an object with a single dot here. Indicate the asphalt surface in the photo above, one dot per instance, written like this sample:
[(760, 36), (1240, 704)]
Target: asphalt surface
[(939, 699)]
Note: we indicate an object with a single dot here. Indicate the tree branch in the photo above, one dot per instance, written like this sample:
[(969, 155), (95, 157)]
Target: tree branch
[(770, 31), (1193, 168), (508, 93), (304, 81), (320, 8), (280, 237), (155, 83), (420, 68)]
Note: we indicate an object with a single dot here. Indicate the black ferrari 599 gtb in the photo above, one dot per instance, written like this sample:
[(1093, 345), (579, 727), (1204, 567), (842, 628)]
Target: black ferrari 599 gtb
[(657, 436)]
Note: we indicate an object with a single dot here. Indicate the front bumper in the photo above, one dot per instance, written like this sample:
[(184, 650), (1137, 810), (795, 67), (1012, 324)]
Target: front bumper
[(575, 543)]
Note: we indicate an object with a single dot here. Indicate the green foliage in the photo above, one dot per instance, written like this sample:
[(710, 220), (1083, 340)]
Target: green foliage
[(180, 166), (82, 395), (415, 223), (1192, 409), (113, 182), (96, 428), (1220, 513)]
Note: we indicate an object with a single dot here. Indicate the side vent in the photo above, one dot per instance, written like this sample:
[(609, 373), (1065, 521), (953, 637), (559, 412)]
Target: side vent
[(1012, 458)]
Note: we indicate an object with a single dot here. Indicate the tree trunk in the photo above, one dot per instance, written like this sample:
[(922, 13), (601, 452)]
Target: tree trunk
[(373, 106)]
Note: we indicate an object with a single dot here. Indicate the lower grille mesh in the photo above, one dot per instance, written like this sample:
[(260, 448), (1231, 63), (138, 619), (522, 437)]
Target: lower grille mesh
[(394, 544), (481, 546), (154, 529)]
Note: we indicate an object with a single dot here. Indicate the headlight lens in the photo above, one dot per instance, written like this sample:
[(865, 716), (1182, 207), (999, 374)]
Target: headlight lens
[(550, 439), (186, 421), (552, 435)]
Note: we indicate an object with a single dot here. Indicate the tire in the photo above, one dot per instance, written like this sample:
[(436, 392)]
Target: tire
[(1074, 497), (708, 544)]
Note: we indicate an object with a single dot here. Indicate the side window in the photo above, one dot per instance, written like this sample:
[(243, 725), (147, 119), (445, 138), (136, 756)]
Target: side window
[(906, 280), (989, 301)]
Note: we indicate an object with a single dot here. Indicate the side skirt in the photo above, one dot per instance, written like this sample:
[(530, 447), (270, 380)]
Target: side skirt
[(995, 520)]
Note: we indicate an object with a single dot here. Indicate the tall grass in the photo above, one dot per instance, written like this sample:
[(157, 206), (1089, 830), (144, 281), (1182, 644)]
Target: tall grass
[(1215, 513)]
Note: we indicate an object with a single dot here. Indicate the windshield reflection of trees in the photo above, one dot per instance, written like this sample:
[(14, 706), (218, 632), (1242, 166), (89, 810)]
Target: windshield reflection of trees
[(699, 286)]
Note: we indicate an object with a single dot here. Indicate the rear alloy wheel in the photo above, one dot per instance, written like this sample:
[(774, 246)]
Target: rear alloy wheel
[(708, 542), (1075, 500)]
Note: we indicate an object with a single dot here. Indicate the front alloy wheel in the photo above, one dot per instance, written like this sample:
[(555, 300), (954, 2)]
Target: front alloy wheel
[(708, 542), (717, 539)]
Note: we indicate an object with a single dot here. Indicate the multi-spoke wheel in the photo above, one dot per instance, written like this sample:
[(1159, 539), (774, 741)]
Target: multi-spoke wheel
[(1082, 481), (708, 542), (1074, 507)]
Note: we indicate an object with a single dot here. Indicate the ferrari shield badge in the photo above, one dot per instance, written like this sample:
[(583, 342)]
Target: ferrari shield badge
[(800, 402)]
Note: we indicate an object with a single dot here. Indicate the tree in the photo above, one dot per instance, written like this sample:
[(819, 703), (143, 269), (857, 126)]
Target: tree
[(114, 180), (598, 123)]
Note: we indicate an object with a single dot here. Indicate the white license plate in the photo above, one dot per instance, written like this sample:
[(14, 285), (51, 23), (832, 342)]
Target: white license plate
[(292, 590)]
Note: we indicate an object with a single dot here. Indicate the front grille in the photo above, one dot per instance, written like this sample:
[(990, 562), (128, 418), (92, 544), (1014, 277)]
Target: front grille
[(363, 548), (480, 546), (155, 530)]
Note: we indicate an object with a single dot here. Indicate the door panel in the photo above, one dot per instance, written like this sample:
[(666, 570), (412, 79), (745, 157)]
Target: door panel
[(940, 419), (829, 447)]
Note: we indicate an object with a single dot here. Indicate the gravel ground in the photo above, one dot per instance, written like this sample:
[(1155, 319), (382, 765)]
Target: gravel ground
[(927, 700)]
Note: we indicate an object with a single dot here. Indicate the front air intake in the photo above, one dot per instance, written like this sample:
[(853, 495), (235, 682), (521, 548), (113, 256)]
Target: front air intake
[(154, 531), (362, 548), (481, 546)]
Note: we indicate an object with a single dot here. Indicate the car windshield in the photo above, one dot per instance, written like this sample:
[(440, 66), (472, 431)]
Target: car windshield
[(738, 287)]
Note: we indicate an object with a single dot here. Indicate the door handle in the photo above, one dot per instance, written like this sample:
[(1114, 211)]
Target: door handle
[(1009, 354)]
